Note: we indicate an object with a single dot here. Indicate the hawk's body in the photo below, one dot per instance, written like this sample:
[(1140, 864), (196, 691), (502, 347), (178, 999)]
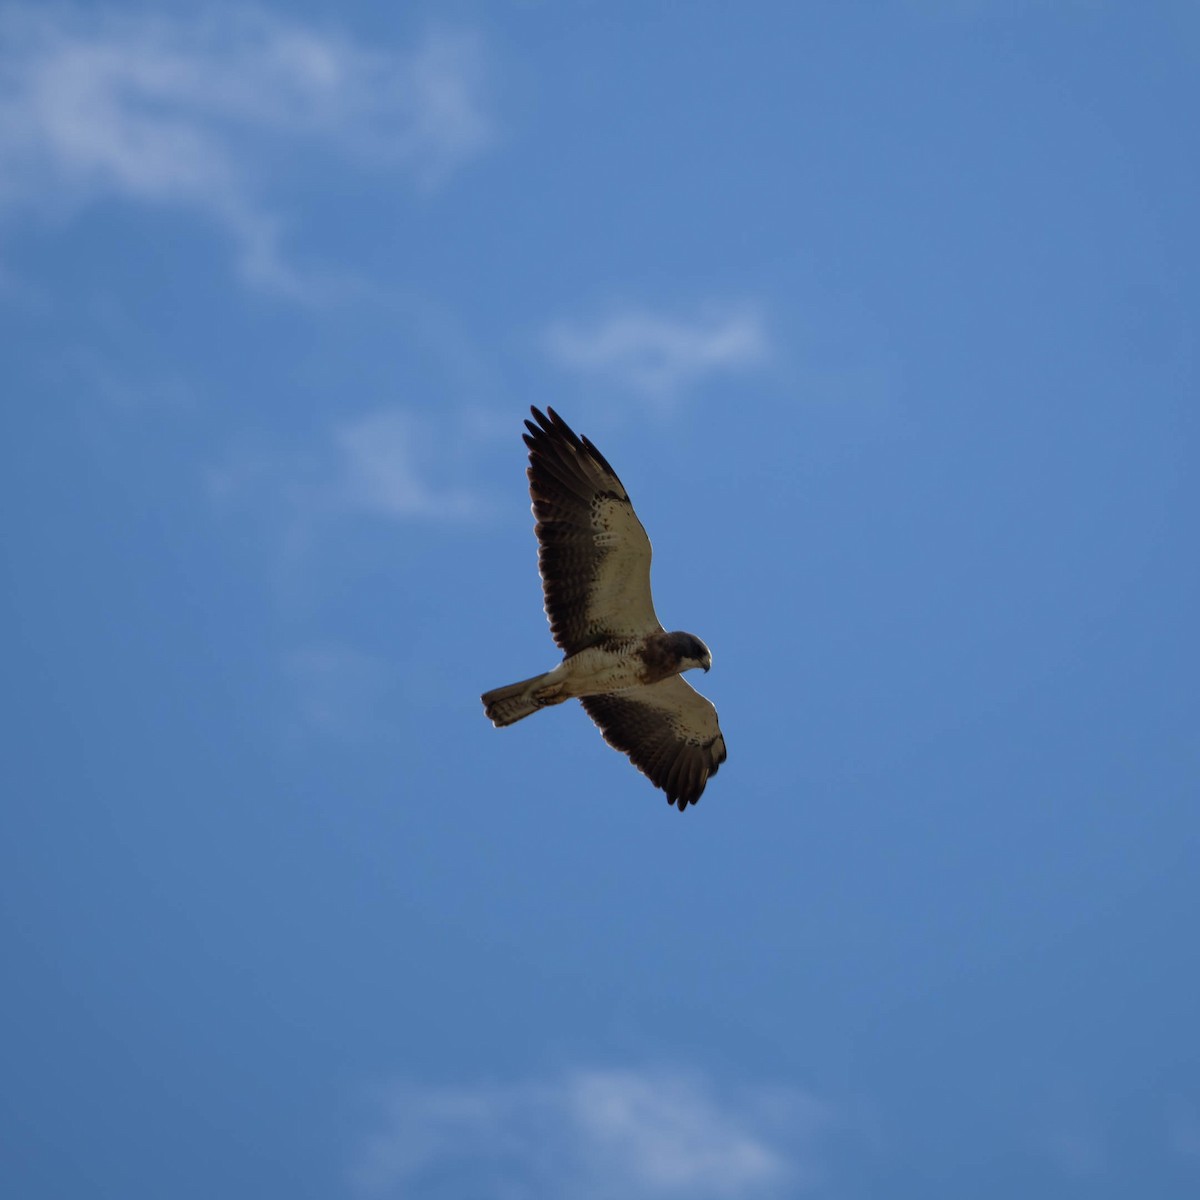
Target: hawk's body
[(594, 558)]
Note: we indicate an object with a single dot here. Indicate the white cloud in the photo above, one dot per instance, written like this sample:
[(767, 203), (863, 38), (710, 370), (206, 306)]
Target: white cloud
[(188, 111), (587, 1135), (657, 355), (388, 463), (380, 461), (672, 1135)]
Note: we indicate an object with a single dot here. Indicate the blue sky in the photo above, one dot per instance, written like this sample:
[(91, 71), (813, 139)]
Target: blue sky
[(886, 314)]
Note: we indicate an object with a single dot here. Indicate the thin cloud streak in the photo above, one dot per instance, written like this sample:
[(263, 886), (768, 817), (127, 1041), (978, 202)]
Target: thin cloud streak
[(641, 1135), (173, 111), (379, 472), (660, 356), (389, 463)]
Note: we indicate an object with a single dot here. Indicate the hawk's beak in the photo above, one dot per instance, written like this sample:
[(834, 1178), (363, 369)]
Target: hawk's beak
[(706, 665)]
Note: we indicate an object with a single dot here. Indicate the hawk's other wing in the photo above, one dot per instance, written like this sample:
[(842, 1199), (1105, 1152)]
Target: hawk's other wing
[(669, 731), (593, 554)]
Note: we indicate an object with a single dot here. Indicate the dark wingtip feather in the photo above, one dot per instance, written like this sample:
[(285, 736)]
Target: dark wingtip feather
[(560, 428), (550, 424)]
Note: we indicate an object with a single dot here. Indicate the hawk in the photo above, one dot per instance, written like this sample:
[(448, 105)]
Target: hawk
[(594, 559)]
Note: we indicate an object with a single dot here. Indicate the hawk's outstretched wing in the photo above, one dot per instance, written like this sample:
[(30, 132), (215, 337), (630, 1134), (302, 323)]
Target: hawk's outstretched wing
[(593, 554), (669, 731)]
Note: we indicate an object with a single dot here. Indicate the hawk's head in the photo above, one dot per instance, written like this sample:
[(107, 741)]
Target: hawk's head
[(691, 651)]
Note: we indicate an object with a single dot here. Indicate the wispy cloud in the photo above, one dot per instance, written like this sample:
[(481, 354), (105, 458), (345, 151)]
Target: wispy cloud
[(640, 1135), (388, 463), (380, 469), (656, 355), (189, 111)]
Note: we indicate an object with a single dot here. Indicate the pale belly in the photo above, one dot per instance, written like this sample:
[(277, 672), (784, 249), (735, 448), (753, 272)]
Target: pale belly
[(598, 670)]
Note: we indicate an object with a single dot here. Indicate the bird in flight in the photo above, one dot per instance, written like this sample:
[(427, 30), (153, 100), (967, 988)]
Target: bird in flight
[(594, 559)]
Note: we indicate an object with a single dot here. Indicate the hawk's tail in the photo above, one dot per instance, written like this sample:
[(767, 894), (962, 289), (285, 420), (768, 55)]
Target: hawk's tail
[(507, 705)]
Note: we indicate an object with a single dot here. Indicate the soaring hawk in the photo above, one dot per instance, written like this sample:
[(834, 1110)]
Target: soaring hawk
[(594, 559)]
